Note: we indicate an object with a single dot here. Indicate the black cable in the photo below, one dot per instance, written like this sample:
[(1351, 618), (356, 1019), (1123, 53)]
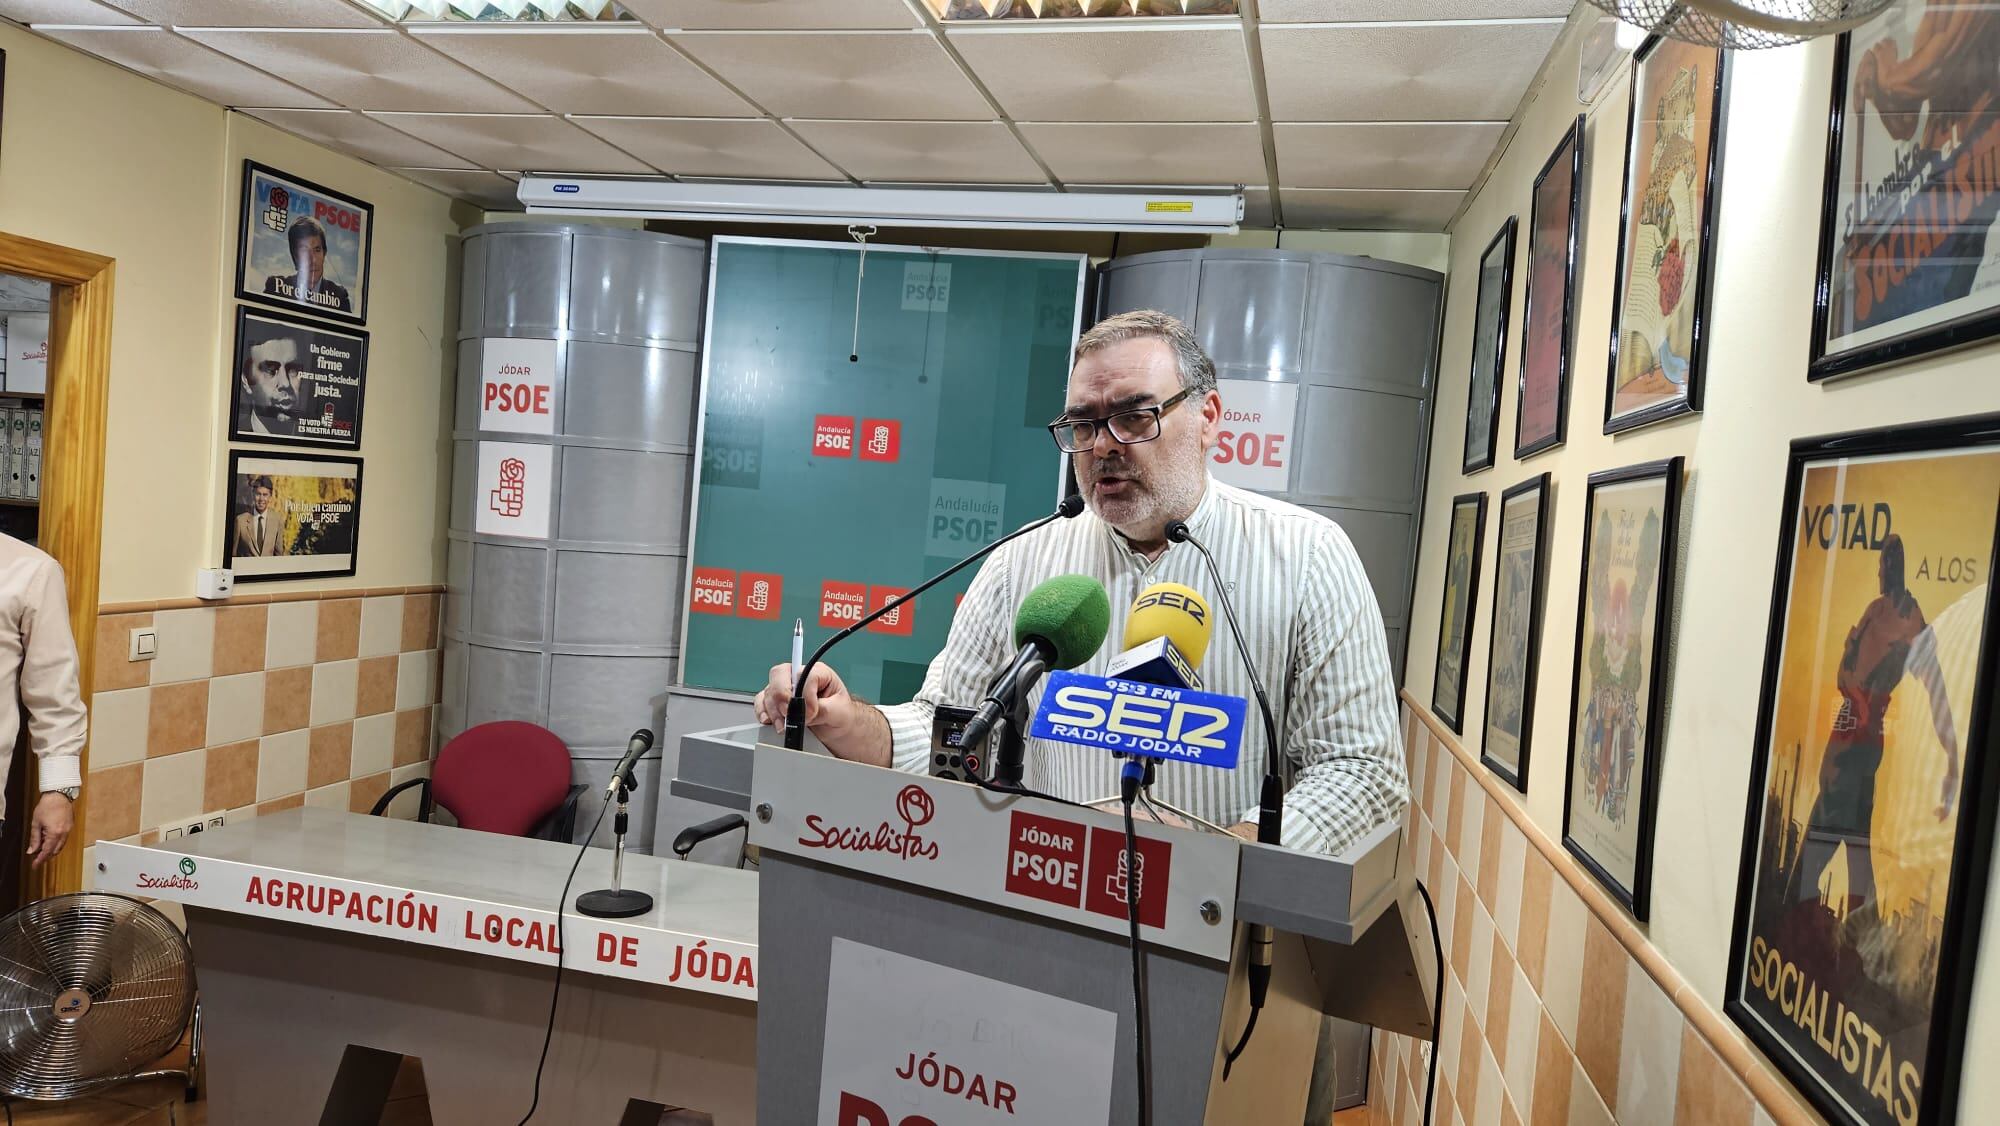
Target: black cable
[(555, 994), (1437, 1003), (1013, 791), (1242, 1042), (1134, 884)]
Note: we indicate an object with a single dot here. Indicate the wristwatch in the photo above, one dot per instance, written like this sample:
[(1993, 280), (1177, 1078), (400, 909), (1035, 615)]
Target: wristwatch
[(69, 792)]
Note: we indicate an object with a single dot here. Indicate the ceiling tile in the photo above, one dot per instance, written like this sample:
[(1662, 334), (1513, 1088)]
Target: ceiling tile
[(1435, 72), (1096, 73), (859, 75), (1368, 210), (686, 146), (774, 15), (161, 55), (360, 136), (487, 189), (1398, 154), (250, 13), (369, 70), (62, 11), (1341, 11), (525, 142), (943, 152), (623, 70), (1181, 153)]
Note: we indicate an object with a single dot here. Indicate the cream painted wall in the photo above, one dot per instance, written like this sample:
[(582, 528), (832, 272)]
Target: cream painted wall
[(1756, 401), (102, 160)]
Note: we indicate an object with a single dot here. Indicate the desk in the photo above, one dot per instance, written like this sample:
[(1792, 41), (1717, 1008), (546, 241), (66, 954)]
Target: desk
[(328, 944)]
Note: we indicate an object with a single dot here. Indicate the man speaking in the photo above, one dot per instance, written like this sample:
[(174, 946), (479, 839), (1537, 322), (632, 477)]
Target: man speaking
[(1141, 414)]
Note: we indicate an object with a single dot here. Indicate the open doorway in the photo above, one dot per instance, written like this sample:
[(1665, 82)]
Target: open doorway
[(54, 494), (24, 378)]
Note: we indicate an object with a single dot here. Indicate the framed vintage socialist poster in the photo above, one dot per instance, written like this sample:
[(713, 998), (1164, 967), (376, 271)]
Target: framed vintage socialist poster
[(1489, 348), (1666, 233), (1872, 791), (1516, 644), (303, 247), (296, 382), (1461, 583), (1541, 412), (291, 516), (1631, 520), (1911, 225)]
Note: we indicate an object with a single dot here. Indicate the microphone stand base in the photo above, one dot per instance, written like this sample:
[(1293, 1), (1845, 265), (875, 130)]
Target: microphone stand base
[(607, 904)]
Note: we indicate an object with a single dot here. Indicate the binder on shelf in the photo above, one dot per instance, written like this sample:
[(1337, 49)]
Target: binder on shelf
[(32, 486), (16, 452)]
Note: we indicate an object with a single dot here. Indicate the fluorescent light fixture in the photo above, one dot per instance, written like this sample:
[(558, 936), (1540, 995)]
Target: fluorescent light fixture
[(1187, 212)]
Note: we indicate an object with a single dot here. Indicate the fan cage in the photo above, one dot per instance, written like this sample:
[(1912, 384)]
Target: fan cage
[(1744, 25), (132, 964)]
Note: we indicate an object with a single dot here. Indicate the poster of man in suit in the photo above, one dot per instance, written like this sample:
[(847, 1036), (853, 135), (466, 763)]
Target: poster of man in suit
[(296, 382), (291, 517), (303, 246)]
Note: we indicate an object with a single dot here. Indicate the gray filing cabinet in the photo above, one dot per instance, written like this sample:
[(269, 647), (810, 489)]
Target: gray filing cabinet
[(1359, 338), (578, 632)]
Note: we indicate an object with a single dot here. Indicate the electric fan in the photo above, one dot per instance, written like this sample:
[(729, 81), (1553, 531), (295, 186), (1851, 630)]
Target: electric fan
[(93, 987), (1744, 24)]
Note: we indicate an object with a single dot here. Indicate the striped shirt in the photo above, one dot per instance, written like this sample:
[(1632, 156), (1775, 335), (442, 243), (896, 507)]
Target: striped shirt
[(1311, 623)]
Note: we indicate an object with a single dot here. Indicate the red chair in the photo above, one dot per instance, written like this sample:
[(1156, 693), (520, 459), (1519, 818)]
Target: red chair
[(504, 777)]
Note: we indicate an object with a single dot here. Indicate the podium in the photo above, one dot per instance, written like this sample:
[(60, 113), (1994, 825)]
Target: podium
[(927, 945)]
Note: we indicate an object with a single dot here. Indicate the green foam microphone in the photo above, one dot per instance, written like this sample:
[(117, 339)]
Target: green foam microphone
[(1061, 624)]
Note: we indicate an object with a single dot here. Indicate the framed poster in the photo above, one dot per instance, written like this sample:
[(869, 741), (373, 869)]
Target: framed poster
[(1489, 348), (1911, 224), (1666, 231), (1630, 522), (1870, 825), (1461, 590), (291, 516), (296, 382), (1541, 414), (1516, 644), (302, 246)]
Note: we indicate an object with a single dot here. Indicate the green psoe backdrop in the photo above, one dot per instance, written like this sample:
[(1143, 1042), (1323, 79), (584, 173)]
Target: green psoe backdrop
[(965, 352)]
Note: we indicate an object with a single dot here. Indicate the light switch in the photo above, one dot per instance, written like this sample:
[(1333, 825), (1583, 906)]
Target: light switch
[(145, 644)]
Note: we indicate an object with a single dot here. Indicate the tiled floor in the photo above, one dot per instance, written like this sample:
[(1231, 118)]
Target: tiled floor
[(161, 1102)]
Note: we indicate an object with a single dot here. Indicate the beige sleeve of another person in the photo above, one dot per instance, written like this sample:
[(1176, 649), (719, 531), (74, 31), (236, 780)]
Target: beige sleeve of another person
[(50, 684)]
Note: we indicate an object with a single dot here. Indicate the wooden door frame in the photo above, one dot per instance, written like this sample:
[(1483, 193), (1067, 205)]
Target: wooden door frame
[(72, 515)]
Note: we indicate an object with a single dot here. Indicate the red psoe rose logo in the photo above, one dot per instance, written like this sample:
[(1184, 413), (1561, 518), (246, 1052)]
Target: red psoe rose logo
[(914, 806)]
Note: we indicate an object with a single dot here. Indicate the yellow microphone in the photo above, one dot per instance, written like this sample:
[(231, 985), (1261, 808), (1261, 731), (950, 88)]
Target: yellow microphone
[(1166, 635)]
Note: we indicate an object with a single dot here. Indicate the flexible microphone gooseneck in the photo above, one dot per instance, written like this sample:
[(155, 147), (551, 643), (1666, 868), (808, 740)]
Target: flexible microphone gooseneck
[(1270, 798), (795, 712)]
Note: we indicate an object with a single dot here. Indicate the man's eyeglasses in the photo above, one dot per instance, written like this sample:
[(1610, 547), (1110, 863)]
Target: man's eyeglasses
[(1131, 427)]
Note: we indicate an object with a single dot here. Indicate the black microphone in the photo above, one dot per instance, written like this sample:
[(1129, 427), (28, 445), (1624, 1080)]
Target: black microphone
[(642, 741), (1270, 797), (795, 712)]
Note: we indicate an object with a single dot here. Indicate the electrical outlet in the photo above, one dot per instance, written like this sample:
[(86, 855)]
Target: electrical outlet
[(181, 830), (145, 644)]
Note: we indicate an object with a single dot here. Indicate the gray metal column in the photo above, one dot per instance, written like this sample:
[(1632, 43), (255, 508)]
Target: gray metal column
[(1358, 336), (578, 632)]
